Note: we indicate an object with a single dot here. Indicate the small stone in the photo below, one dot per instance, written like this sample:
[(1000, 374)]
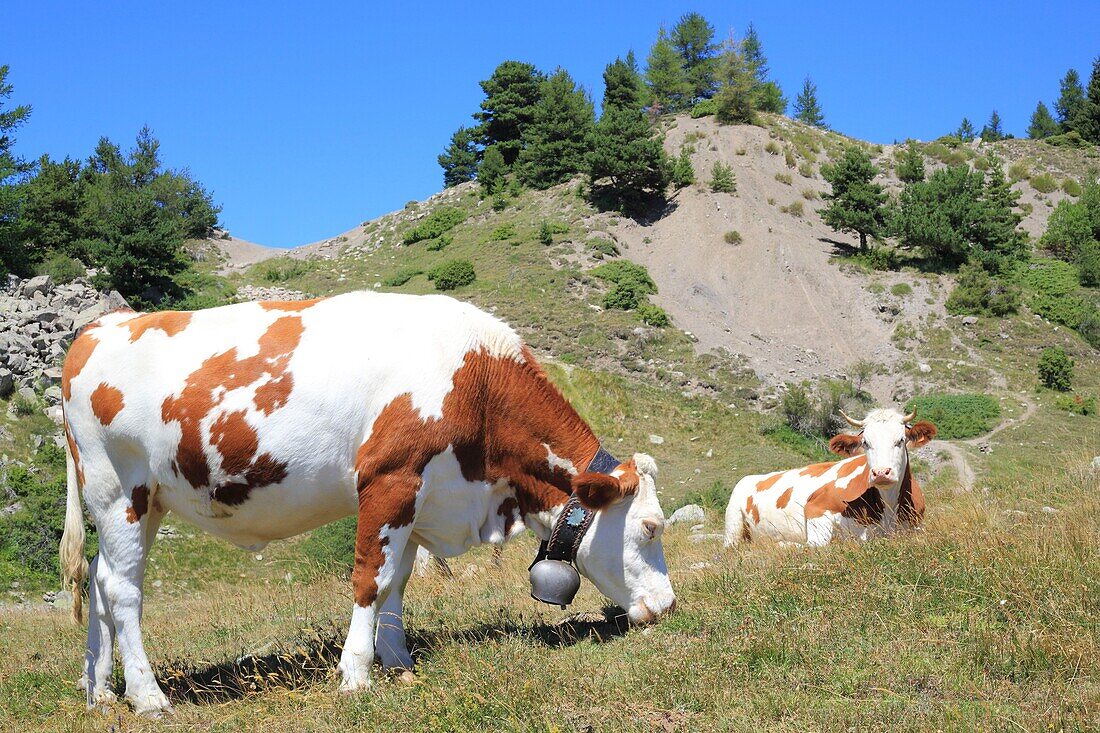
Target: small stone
[(969, 320), (1049, 510), (699, 566), (691, 513), (656, 439), (63, 599), (697, 538), (55, 414), (924, 368), (1095, 464), (697, 527)]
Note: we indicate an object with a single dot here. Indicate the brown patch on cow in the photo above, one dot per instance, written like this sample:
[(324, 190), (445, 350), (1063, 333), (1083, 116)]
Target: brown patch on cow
[(769, 482), (76, 360), (204, 390), (106, 403), (289, 306), (784, 498), (752, 509), (817, 469), (910, 500), (273, 394), (853, 500), (846, 445), (920, 433), (849, 467), (597, 490), (498, 417), (170, 322), (508, 509), (139, 504)]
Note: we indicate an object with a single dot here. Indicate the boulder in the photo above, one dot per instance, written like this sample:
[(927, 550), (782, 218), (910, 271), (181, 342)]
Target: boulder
[(7, 382), (689, 514), (40, 285)]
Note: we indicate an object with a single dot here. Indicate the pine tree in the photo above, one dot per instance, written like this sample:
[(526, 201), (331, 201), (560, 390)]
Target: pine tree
[(669, 88), (806, 107), (623, 85), (911, 166), (1042, 124), (12, 170), (965, 131), (856, 203), (627, 166), (682, 172), (997, 233), (1088, 114), (992, 131), (1070, 98), (735, 93), (52, 208), (556, 143), (511, 94), (767, 94), (492, 171), (693, 39), (459, 160)]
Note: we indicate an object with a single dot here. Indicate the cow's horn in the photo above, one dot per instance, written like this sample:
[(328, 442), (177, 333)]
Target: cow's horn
[(851, 420), (909, 418)]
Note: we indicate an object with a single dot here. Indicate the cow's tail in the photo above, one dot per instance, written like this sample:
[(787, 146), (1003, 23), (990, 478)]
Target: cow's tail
[(74, 567)]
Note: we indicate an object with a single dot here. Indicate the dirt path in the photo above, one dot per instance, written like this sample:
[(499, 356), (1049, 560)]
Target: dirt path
[(958, 455)]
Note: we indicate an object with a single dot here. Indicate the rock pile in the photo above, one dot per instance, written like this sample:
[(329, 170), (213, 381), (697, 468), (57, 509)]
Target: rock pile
[(38, 320)]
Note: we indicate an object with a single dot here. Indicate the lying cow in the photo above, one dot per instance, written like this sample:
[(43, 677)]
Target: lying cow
[(425, 416), (869, 493)]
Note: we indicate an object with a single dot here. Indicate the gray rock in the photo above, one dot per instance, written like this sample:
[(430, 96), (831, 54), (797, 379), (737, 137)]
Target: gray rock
[(690, 514), (36, 285), (52, 375), (10, 509), (656, 439), (697, 538), (7, 382), (924, 368), (55, 414), (63, 599), (969, 320), (116, 301), (1095, 464), (27, 393), (52, 395)]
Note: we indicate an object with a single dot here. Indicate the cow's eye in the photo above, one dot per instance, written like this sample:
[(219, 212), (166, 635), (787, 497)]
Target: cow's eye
[(864, 444)]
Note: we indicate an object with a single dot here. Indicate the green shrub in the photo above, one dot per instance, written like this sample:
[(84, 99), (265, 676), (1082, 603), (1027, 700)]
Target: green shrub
[(503, 232), (1055, 369), (626, 272), (704, 108), (61, 267), (546, 235), (1068, 229), (1071, 187), (979, 293), (957, 416), (445, 240), (715, 497), (500, 202), (816, 413), (622, 297), (794, 208), (452, 274), (1076, 404), (283, 269), (1054, 285), (784, 178), (603, 246), (683, 172), (1070, 139), (23, 406), (1088, 264), (810, 194), (653, 315), (1044, 183), (401, 277), (1019, 171), (435, 225), (772, 147), (732, 237), (901, 289), (722, 179), (788, 157), (884, 259)]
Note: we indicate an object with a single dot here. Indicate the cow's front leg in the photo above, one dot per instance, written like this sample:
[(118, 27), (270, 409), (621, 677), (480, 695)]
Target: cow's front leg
[(390, 643), (819, 530), (387, 507)]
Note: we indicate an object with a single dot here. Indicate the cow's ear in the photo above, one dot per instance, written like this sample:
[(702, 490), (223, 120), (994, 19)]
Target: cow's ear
[(597, 490), (920, 433), (845, 445)]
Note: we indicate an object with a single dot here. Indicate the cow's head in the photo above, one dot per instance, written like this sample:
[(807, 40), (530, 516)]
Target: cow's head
[(885, 435), (621, 553)]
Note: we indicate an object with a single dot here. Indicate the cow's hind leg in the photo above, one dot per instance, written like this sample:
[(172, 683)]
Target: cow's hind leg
[(387, 505), (390, 644), (99, 656), (127, 527)]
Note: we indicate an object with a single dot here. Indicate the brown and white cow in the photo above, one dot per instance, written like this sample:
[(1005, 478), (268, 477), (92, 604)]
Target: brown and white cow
[(867, 494), (427, 417)]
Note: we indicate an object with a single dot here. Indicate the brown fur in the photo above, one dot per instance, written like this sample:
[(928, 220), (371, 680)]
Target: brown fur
[(197, 399), (106, 403), (76, 455), (920, 433), (139, 504), (289, 306), (76, 359), (752, 509), (769, 482), (170, 323), (784, 499), (817, 469), (596, 490), (845, 445), (830, 498)]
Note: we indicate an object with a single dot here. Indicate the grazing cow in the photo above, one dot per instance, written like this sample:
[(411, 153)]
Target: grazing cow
[(425, 416), (865, 495)]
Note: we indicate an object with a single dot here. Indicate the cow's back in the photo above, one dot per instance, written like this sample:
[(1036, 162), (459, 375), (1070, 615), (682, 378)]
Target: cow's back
[(247, 417)]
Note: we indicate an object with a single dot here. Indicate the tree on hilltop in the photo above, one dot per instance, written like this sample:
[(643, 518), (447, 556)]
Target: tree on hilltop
[(1042, 123), (992, 131), (459, 160), (669, 88), (623, 85), (627, 166), (767, 95), (12, 171), (965, 131), (806, 107), (1088, 113), (1070, 98), (511, 94), (856, 202), (735, 92), (693, 39), (557, 141), (911, 165)]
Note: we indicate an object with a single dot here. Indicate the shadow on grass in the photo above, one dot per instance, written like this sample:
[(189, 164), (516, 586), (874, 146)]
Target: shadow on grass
[(312, 656)]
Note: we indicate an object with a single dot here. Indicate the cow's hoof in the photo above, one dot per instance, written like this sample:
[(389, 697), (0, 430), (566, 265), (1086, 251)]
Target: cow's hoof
[(406, 678), (397, 663), (152, 705), (103, 700), (352, 679)]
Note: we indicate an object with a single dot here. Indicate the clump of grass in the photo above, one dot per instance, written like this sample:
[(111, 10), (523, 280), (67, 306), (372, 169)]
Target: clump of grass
[(452, 274), (401, 277), (732, 237), (435, 225), (445, 240), (784, 178), (740, 151), (1044, 183), (772, 147), (1071, 187), (1019, 171), (503, 232), (789, 157), (810, 194), (282, 269), (806, 169), (957, 416), (23, 406), (901, 289), (794, 208), (604, 247)]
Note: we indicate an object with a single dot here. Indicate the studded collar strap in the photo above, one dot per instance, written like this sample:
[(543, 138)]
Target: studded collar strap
[(574, 520)]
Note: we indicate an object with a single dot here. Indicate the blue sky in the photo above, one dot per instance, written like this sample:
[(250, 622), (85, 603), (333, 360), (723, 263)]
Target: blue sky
[(305, 122)]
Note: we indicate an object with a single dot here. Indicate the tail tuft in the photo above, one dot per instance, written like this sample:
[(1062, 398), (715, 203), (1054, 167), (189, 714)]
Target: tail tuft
[(74, 567)]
